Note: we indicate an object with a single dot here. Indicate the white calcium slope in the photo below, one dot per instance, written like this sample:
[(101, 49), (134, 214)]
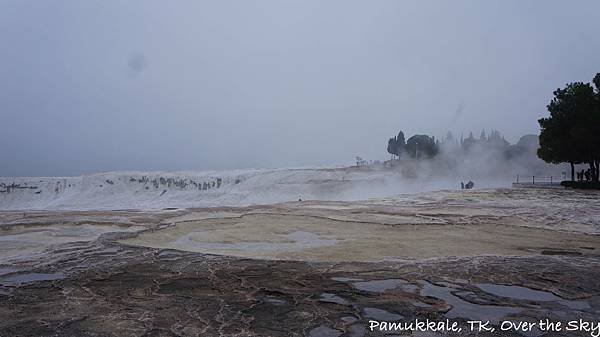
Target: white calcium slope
[(153, 190), (156, 190)]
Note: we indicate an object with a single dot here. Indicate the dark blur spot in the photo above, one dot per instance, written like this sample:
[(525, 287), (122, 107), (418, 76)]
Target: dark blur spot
[(136, 63)]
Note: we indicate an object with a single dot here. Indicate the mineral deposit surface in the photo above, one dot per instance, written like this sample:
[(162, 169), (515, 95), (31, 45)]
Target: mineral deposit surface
[(307, 268)]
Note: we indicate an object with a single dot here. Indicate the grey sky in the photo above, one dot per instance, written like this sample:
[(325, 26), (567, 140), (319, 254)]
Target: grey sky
[(91, 86)]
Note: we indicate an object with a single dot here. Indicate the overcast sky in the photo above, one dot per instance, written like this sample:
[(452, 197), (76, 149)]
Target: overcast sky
[(89, 86)]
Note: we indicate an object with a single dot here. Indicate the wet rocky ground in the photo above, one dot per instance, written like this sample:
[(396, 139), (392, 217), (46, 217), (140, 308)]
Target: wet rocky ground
[(98, 285), (106, 289)]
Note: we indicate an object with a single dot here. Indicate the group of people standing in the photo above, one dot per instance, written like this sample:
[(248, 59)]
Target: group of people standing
[(467, 186), (587, 174)]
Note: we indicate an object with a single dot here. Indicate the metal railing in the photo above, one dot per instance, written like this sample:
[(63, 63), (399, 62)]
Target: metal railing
[(533, 179)]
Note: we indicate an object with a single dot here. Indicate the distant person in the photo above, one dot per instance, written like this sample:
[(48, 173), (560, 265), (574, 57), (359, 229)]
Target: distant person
[(462, 185), (469, 185), (299, 199), (587, 175)]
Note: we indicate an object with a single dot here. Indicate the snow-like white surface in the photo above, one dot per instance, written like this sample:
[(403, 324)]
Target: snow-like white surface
[(156, 190)]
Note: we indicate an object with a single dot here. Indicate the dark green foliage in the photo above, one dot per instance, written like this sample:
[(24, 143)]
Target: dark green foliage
[(572, 132), (421, 146), (396, 145), (424, 146)]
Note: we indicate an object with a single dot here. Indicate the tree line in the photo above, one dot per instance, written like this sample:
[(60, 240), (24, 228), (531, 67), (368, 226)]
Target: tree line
[(417, 146), (424, 146), (571, 134)]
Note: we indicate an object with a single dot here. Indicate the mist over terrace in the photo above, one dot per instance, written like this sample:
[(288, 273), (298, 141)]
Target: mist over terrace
[(104, 86)]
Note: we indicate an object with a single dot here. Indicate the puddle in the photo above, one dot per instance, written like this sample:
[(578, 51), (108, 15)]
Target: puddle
[(356, 330), (420, 304), (379, 286), (170, 255), (332, 298), (381, 315), (20, 279), (274, 300), (7, 270), (324, 331), (517, 292), (523, 293), (346, 279), (463, 309)]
